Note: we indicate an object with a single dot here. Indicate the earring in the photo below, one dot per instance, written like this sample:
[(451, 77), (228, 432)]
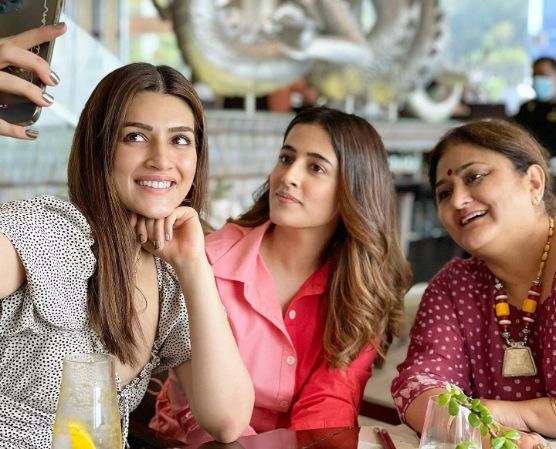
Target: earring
[(538, 198)]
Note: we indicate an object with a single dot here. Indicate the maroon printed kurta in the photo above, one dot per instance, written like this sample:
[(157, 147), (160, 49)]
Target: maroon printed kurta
[(455, 339)]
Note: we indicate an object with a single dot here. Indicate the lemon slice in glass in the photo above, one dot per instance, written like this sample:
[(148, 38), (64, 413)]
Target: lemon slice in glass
[(80, 438)]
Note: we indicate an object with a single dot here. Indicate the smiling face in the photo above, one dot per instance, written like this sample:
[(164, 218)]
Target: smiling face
[(304, 182), (483, 202), (156, 156)]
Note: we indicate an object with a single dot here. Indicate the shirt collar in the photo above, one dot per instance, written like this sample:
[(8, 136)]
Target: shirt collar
[(239, 263)]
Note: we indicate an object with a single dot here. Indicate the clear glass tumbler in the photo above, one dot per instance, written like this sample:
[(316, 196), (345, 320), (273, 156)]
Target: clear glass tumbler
[(444, 431), (87, 413)]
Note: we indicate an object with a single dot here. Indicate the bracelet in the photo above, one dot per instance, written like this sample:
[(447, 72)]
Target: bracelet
[(552, 400)]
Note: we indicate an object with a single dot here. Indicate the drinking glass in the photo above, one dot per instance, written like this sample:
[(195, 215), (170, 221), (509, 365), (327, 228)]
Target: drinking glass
[(444, 431), (87, 413)]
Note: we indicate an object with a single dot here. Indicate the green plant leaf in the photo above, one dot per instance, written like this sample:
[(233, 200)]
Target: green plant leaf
[(513, 435), (474, 420), (486, 420), (443, 399), (480, 417), (453, 407), (497, 443)]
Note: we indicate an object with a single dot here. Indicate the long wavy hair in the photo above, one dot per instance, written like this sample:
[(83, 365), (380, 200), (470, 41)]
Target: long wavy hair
[(507, 139), (92, 189), (369, 275)]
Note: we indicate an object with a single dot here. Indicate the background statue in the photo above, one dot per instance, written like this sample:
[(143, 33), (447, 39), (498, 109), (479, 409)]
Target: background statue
[(374, 50)]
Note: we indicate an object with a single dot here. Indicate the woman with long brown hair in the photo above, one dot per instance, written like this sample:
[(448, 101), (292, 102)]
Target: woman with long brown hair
[(121, 267), (312, 278)]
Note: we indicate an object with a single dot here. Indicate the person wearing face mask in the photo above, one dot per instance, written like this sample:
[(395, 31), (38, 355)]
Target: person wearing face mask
[(539, 115)]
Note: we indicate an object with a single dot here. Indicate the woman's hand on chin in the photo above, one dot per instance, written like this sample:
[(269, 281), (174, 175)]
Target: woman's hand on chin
[(177, 238)]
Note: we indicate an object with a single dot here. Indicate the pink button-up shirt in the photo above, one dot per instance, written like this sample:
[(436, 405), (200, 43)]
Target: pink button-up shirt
[(284, 353)]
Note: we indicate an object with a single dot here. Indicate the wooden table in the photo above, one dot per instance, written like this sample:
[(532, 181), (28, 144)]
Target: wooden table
[(344, 438), (339, 438)]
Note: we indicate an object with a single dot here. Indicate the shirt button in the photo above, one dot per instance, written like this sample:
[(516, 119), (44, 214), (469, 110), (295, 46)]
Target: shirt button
[(292, 314), (284, 404), (290, 360)]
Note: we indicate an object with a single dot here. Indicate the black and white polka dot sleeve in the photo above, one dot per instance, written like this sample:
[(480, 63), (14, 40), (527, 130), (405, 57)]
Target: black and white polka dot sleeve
[(53, 240)]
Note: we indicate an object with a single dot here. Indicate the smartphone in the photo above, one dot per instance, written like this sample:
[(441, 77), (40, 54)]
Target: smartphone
[(17, 16)]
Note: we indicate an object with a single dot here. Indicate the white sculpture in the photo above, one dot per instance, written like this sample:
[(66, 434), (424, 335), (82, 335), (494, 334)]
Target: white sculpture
[(240, 47)]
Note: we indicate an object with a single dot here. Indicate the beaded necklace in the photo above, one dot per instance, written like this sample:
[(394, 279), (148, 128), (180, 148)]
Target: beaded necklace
[(518, 359)]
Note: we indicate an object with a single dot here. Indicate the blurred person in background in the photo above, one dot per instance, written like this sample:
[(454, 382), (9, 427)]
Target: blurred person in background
[(539, 114)]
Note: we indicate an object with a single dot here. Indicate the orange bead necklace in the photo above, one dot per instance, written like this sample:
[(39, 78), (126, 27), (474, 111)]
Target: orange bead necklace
[(518, 359)]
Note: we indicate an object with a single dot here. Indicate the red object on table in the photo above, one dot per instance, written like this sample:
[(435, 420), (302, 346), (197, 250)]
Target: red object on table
[(384, 438)]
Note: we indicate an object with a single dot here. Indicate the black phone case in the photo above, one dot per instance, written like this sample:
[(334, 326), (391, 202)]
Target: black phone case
[(17, 16)]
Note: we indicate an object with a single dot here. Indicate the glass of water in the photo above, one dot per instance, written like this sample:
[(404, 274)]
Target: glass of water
[(87, 413), (444, 431)]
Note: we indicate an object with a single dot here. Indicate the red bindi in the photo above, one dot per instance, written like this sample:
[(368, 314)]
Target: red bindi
[(449, 172)]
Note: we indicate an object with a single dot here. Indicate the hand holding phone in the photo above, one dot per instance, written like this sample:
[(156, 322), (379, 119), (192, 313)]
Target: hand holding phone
[(23, 73)]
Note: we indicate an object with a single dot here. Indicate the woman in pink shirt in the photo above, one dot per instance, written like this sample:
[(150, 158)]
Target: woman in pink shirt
[(312, 279)]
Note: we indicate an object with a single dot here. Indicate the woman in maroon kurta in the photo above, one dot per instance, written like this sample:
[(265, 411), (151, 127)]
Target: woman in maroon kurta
[(490, 183)]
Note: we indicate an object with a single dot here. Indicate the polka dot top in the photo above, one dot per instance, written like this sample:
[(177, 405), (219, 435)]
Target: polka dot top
[(46, 319), (455, 339)]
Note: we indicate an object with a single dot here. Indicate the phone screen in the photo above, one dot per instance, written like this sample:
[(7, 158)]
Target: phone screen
[(17, 16)]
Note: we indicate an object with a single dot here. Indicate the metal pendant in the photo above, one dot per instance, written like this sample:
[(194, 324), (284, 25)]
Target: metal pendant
[(518, 361)]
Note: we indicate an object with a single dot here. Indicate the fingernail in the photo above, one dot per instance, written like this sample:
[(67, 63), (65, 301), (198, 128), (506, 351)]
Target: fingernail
[(32, 133), (59, 25), (54, 78), (167, 237), (156, 244), (47, 97), (141, 238)]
